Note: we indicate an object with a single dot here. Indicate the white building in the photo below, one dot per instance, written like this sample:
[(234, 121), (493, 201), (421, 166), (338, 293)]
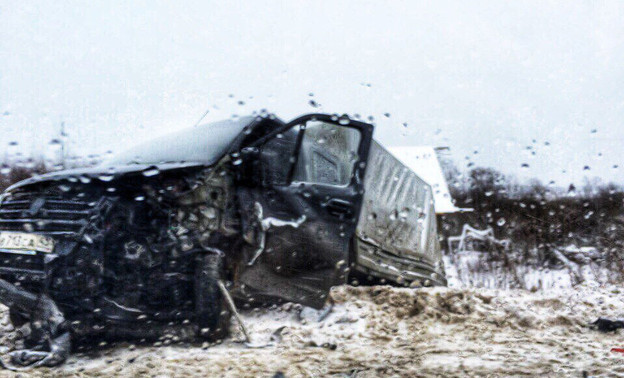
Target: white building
[(424, 161)]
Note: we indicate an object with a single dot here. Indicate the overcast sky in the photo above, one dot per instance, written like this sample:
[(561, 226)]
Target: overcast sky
[(493, 80)]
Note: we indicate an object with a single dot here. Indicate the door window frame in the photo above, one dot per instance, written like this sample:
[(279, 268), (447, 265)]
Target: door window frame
[(365, 129)]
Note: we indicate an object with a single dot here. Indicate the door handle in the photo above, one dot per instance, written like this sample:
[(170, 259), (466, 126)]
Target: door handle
[(339, 208)]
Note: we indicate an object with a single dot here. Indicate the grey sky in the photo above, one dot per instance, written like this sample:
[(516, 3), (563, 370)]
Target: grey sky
[(491, 77)]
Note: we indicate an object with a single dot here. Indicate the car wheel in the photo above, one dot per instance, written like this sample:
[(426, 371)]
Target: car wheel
[(211, 311)]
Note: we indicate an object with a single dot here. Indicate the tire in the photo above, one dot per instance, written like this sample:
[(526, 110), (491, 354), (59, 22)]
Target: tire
[(211, 311)]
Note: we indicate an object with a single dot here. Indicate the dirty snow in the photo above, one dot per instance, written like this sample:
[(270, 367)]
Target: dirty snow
[(387, 331)]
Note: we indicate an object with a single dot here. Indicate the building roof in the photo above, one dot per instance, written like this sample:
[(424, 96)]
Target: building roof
[(424, 162)]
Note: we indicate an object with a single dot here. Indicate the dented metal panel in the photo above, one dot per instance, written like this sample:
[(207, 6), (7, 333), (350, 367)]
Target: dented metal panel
[(398, 215)]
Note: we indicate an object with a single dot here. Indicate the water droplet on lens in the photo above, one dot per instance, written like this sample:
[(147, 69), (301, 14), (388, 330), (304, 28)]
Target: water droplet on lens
[(344, 120), (106, 177), (151, 171), (404, 213)]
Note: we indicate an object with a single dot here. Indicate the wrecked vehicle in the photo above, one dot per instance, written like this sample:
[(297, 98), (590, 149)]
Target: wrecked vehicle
[(272, 211)]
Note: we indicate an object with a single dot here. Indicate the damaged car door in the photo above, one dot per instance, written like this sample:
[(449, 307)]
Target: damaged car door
[(300, 206)]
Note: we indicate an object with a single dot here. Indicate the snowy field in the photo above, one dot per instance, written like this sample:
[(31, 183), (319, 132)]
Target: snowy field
[(386, 331)]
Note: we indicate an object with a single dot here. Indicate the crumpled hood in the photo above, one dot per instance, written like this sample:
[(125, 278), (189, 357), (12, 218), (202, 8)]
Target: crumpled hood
[(105, 173)]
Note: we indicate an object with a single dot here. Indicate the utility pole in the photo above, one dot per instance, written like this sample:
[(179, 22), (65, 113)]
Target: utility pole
[(62, 140)]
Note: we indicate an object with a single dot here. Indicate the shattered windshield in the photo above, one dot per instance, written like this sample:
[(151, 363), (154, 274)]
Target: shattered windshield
[(201, 144)]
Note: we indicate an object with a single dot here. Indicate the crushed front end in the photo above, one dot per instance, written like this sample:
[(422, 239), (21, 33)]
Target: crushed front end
[(105, 254), (70, 265), (46, 252)]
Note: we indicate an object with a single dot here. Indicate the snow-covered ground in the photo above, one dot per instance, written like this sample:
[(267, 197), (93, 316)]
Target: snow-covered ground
[(513, 270), (386, 331)]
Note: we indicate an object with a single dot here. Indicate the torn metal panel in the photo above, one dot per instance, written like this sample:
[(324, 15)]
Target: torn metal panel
[(398, 215), (265, 224), (49, 342), (376, 262)]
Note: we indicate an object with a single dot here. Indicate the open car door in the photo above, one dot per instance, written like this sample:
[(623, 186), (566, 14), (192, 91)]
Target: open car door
[(300, 213)]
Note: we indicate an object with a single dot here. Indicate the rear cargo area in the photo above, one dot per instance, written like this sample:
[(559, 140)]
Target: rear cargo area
[(397, 231)]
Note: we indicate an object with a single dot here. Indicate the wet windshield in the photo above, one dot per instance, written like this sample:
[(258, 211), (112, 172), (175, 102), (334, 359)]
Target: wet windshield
[(400, 188), (202, 144)]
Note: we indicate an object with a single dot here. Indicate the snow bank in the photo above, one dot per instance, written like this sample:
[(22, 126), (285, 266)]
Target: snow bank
[(385, 331)]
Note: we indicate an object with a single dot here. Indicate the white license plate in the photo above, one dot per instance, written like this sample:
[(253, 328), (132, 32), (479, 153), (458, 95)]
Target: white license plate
[(21, 242)]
